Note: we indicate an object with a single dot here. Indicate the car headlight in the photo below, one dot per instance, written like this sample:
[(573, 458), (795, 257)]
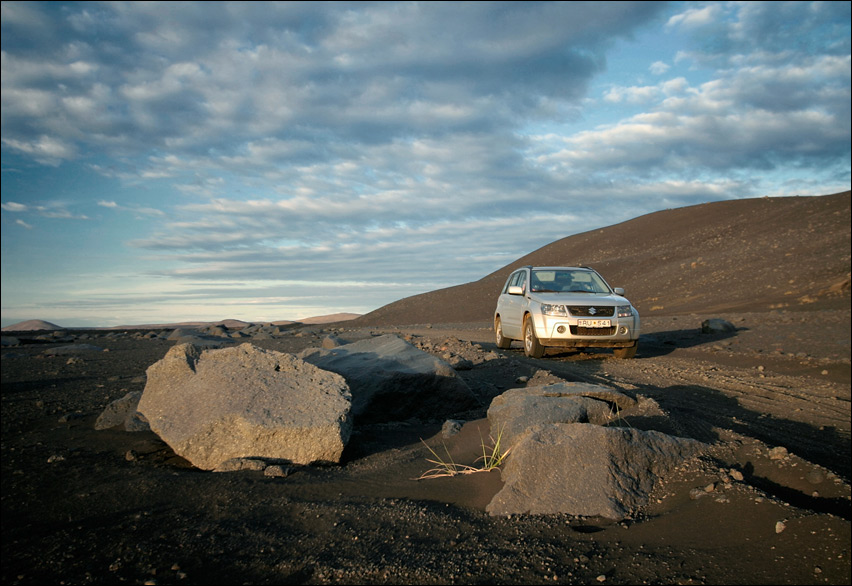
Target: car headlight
[(559, 310), (625, 311)]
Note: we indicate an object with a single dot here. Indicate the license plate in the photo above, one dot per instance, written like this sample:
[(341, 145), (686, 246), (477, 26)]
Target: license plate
[(594, 323)]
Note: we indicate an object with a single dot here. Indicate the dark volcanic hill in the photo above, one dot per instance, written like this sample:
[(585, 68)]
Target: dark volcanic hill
[(742, 255)]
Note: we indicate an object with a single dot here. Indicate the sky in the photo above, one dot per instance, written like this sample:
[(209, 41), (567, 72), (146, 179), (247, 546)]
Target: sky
[(263, 161)]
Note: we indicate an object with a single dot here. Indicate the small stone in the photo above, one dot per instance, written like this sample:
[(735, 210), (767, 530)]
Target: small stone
[(277, 471), (778, 453), (697, 493), (780, 526), (451, 427)]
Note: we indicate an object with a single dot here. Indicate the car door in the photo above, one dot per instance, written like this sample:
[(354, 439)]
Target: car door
[(512, 306)]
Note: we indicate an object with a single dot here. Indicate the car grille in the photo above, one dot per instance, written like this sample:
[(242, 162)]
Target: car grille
[(586, 310), (578, 331)]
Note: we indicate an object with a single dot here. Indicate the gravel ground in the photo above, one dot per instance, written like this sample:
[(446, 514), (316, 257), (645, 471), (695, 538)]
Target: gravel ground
[(769, 505)]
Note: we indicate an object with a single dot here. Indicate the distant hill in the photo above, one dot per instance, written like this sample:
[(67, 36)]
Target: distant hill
[(32, 325), (740, 255), (331, 318), (232, 324)]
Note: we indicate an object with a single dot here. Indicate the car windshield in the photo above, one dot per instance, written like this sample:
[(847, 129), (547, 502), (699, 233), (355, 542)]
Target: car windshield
[(564, 281)]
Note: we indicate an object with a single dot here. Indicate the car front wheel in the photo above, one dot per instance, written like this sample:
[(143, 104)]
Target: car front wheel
[(532, 347), (626, 352), (502, 342)]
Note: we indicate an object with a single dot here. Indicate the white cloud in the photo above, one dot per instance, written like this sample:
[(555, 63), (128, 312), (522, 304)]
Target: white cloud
[(134, 209), (696, 17), (50, 209), (659, 67), (22, 14), (57, 210), (11, 206), (44, 149), (26, 102), (633, 95)]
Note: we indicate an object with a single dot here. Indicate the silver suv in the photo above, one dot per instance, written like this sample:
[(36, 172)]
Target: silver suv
[(566, 307)]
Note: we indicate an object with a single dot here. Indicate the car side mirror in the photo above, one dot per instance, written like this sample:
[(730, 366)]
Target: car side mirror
[(618, 290), (515, 290)]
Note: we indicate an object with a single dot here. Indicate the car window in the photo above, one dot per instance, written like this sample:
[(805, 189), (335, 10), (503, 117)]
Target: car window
[(518, 279), (590, 281), (577, 281), (543, 281), (513, 278)]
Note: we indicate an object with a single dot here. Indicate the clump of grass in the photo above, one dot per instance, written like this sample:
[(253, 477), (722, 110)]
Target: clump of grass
[(618, 418), (495, 456), (492, 457)]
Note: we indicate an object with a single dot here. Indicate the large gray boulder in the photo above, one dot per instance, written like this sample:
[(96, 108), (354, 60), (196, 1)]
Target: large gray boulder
[(716, 325), (584, 469), (215, 405), (262, 331), (123, 412), (179, 333), (391, 380), (515, 411)]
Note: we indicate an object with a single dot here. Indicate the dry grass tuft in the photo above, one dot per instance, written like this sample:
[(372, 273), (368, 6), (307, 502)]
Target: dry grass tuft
[(492, 457)]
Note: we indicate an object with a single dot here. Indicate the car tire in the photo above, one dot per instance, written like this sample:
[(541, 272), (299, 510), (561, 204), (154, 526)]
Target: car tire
[(532, 347), (626, 353), (502, 342)]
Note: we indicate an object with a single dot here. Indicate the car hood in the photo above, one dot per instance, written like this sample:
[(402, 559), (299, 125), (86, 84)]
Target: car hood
[(579, 298)]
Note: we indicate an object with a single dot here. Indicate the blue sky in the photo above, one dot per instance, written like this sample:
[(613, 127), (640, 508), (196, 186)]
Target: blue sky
[(182, 161)]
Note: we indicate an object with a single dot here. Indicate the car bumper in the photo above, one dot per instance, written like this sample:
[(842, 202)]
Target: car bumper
[(566, 332)]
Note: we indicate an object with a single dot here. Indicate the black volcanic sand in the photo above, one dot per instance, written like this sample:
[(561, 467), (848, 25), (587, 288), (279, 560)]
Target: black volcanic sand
[(85, 506)]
